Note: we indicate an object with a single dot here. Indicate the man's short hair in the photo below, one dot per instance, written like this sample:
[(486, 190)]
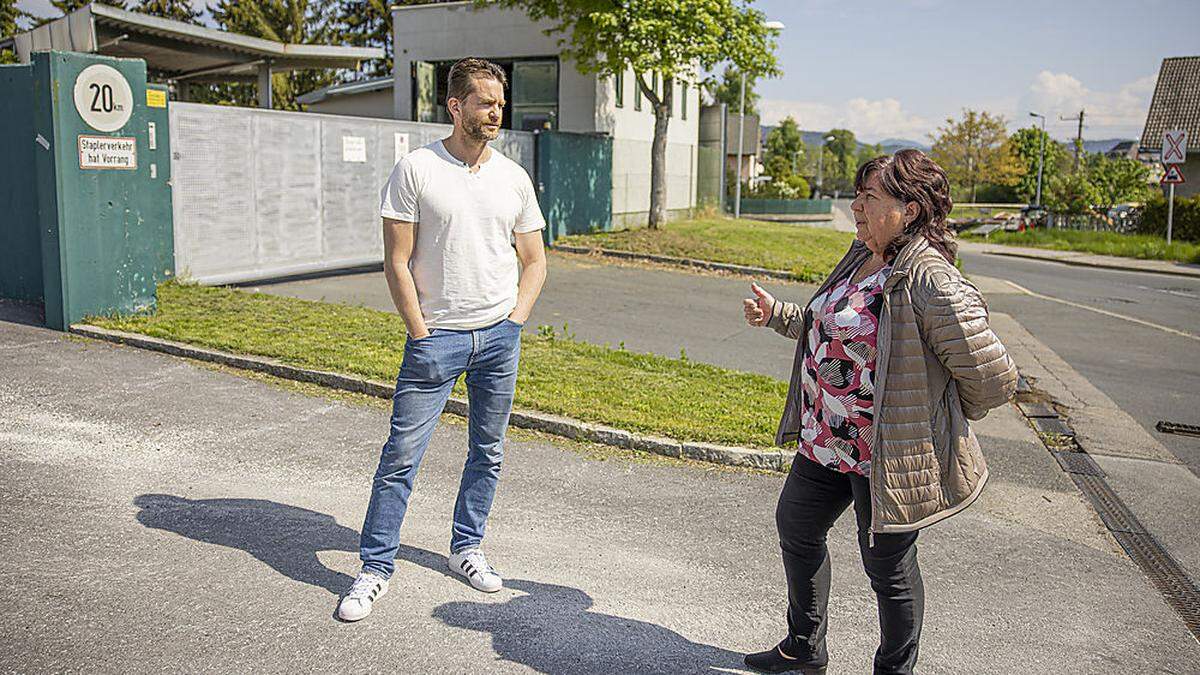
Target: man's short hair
[(461, 82)]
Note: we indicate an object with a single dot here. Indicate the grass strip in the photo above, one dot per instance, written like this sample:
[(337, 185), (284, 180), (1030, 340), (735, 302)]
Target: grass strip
[(1141, 246), (808, 252), (645, 393)]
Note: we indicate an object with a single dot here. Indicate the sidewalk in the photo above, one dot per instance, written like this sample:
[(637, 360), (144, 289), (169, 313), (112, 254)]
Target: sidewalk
[(161, 515), (1085, 259)]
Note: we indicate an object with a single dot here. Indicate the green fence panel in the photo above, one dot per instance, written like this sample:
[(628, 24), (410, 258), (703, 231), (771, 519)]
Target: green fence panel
[(787, 206), (103, 190), (20, 243), (574, 181)]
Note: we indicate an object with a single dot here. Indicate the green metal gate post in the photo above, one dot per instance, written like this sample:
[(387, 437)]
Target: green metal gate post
[(574, 180), (102, 159)]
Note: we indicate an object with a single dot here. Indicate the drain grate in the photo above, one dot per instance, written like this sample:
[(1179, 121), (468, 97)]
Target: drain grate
[(1052, 425), (1163, 571), (1078, 462), (1037, 410)]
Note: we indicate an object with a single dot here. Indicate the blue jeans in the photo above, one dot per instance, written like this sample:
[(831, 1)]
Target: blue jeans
[(430, 368)]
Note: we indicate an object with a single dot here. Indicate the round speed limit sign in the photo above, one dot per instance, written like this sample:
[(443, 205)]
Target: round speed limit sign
[(103, 97)]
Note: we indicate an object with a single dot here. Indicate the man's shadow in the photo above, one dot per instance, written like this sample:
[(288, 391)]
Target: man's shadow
[(548, 628), (285, 538), (551, 629)]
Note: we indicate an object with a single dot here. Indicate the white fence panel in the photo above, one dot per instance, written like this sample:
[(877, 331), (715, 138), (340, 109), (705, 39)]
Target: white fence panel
[(265, 193)]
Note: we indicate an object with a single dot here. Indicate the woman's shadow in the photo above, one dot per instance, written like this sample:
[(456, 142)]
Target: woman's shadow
[(547, 627)]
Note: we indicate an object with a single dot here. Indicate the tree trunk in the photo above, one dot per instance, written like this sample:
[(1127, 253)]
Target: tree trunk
[(658, 148)]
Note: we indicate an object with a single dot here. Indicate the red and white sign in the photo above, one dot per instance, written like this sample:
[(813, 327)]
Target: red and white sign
[(1174, 147), (1173, 176)]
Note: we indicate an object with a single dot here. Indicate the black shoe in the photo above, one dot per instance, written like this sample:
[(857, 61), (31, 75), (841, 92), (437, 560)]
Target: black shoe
[(773, 661)]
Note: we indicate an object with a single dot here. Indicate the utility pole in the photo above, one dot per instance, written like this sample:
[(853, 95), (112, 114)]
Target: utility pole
[(1041, 158), (737, 187), (1078, 136)]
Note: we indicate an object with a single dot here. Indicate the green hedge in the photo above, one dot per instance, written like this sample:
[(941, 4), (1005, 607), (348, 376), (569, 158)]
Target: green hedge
[(1186, 225)]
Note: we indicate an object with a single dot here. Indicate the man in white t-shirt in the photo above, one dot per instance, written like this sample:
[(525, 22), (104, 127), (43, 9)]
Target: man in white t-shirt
[(457, 218)]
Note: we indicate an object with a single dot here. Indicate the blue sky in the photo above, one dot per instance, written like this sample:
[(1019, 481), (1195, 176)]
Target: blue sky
[(898, 68)]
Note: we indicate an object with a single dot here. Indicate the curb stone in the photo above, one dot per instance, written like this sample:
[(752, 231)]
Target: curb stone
[(566, 427), (686, 262), (1177, 272)]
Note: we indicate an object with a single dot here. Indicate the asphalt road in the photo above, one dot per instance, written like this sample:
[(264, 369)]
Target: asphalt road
[(163, 516), (1151, 373)]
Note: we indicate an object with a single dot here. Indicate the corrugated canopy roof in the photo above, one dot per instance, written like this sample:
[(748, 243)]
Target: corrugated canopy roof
[(178, 50), (1176, 103)]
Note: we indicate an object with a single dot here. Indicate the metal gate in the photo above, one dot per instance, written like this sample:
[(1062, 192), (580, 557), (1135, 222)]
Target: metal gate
[(265, 193), (574, 181)]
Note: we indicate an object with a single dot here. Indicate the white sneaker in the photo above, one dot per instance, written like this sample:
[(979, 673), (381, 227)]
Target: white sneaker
[(367, 588), (474, 566)]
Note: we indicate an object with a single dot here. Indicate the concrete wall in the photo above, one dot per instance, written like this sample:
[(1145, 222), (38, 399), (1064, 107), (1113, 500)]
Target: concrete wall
[(368, 104)]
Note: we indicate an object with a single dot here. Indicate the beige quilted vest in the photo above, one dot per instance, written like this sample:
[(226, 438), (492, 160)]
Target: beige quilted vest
[(938, 366)]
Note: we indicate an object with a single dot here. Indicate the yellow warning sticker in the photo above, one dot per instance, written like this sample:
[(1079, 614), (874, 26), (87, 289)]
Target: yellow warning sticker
[(156, 98)]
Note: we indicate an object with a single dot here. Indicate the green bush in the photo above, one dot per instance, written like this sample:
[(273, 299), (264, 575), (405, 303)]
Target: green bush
[(1186, 224)]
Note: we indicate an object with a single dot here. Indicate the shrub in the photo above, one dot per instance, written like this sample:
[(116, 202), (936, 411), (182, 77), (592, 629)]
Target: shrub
[(1186, 225)]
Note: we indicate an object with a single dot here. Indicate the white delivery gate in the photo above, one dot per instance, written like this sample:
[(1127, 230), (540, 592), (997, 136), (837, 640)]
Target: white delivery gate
[(263, 193)]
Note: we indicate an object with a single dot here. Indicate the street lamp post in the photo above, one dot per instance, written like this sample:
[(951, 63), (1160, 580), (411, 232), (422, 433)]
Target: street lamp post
[(737, 189), (1041, 158), (821, 164)]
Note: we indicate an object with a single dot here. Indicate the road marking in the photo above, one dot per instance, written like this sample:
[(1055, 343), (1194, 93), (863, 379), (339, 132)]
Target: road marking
[(1105, 312), (1169, 291)]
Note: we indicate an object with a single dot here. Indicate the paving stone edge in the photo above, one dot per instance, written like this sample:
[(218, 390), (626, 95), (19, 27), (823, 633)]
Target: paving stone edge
[(773, 460), (686, 262)]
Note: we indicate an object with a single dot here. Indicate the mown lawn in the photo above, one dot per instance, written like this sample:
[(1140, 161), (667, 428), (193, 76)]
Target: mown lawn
[(639, 392), (1144, 246), (808, 252)]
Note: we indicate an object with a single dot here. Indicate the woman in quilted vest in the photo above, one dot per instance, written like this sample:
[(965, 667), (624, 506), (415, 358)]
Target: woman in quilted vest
[(894, 357)]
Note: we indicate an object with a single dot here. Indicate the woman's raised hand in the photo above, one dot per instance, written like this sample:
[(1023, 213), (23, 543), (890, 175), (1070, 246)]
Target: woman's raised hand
[(758, 308)]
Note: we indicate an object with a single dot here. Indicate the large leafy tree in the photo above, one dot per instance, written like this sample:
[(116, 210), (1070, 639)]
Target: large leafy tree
[(11, 18), (974, 150), (288, 21), (784, 152), (678, 39), (728, 90), (178, 10), (1026, 144), (841, 161), (1117, 180)]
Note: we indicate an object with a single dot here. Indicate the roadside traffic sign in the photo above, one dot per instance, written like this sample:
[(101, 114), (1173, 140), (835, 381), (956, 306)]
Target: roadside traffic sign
[(1173, 176), (1174, 147)]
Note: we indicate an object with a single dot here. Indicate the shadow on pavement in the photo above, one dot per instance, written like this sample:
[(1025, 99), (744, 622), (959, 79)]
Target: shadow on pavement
[(27, 313), (551, 629)]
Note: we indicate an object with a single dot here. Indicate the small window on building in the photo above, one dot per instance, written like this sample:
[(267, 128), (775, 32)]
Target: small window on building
[(637, 91), (683, 89), (619, 82)]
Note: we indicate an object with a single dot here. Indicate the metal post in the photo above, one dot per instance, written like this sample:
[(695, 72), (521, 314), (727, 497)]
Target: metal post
[(724, 156), (1041, 161), (1170, 212), (737, 188), (264, 85), (820, 166)]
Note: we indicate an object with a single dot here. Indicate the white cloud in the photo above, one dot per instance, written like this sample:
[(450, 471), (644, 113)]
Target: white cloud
[(1106, 113), (870, 120)]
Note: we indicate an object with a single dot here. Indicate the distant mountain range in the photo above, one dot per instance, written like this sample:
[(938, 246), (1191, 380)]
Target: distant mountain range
[(891, 145)]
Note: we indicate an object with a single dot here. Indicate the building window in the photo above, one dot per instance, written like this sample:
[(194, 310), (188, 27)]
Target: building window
[(683, 88), (637, 91), (619, 81)]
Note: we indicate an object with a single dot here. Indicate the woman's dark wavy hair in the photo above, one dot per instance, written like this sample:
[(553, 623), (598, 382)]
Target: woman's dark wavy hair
[(910, 176)]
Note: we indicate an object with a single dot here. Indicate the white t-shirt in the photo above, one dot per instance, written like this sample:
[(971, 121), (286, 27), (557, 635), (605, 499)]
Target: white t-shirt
[(463, 261)]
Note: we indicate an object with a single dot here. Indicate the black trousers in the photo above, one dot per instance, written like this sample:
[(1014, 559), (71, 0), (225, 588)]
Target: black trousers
[(812, 499)]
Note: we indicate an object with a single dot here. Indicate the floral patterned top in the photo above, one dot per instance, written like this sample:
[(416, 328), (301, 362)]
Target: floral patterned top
[(837, 421)]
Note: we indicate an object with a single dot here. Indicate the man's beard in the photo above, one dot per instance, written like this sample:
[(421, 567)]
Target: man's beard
[(476, 131)]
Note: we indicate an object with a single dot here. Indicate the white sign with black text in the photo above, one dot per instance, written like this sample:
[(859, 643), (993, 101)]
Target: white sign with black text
[(107, 152)]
